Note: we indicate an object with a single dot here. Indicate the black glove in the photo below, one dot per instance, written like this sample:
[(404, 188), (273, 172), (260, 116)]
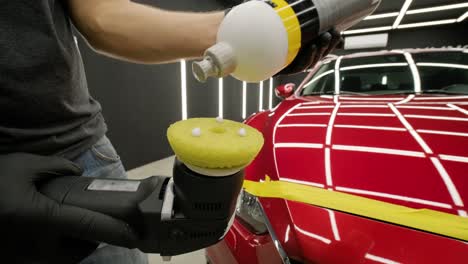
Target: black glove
[(309, 55), (26, 215)]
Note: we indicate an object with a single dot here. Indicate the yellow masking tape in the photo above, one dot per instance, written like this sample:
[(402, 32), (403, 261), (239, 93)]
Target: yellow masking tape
[(293, 28), (423, 219)]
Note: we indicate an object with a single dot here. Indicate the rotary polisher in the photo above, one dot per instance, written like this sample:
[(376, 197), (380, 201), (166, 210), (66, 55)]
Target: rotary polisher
[(191, 210)]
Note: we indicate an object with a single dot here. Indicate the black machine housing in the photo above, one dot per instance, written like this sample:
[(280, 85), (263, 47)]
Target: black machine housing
[(172, 216)]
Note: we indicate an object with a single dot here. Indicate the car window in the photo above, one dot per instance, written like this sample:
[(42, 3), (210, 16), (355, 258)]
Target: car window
[(323, 80), (375, 78), (394, 73), (443, 71)]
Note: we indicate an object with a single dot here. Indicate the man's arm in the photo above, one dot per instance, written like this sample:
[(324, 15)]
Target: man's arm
[(144, 34)]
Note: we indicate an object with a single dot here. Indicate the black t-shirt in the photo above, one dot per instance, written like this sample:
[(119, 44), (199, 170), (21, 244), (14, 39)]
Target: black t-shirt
[(45, 106)]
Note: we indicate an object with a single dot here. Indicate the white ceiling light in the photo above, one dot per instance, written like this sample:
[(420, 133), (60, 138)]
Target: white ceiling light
[(376, 65), (402, 13), (414, 72), (383, 15), (436, 8), (220, 97), (319, 77), (384, 80), (379, 40), (183, 86), (337, 75), (366, 30), (244, 100), (270, 95), (260, 97), (429, 23), (411, 25), (443, 65), (462, 17)]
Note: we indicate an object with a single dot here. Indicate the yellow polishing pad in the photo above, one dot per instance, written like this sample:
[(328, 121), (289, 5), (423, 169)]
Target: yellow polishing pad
[(214, 143)]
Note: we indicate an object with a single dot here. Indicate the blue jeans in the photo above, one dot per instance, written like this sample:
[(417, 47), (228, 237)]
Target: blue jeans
[(101, 160)]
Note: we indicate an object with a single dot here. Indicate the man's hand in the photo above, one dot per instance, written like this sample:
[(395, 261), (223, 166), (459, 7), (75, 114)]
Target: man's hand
[(310, 55), (24, 210)]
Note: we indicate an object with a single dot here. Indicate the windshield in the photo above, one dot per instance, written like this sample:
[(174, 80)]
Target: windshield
[(430, 72)]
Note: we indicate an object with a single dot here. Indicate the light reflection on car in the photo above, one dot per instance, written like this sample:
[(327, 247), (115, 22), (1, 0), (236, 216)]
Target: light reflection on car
[(390, 126)]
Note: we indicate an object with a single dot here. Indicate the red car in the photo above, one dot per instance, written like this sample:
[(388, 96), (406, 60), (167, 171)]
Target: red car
[(387, 128)]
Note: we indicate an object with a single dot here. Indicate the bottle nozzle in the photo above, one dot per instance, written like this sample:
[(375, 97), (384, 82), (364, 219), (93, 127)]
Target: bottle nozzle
[(204, 69), (218, 61)]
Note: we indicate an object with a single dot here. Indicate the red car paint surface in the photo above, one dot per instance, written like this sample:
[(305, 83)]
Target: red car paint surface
[(410, 150)]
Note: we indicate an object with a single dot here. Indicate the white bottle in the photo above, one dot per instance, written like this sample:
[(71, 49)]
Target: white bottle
[(257, 39)]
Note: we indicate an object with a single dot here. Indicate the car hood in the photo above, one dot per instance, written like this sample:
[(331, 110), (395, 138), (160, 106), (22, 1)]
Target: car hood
[(410, 151)]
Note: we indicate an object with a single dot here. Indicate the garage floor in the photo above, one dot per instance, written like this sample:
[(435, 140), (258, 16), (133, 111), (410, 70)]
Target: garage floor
[(164, 168)]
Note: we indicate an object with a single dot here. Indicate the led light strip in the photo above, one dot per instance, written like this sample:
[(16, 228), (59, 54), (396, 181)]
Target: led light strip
[(331, 123), (410, 25), (183, 85), (438, 132), (260, 97), (418, 11), (414, 72), (425, 107), (400, 129), (337, 75), (462, 17), (312, 235), (462, 213), (406, 100), (443, 65), (454, 107), (319, 77), (380, 259), (364, 106), (436, 8), (299, 145), (303, 125), (371, 99), (274, 133), (444, 98), (366, 114), (377, 65), (410, 128), (402, 13), (311, 114), (383, 15), (316, 107), (270, 95), (429, 23), (334, 226), (244, 100), (366, 30), (452, 189), (448, 118), (310, 103), (220, 97), (318, 185), (328, 175), (454, 158), (388, 151)]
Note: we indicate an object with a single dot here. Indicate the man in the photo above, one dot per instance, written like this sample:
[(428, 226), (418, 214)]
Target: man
[(46, 108)]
